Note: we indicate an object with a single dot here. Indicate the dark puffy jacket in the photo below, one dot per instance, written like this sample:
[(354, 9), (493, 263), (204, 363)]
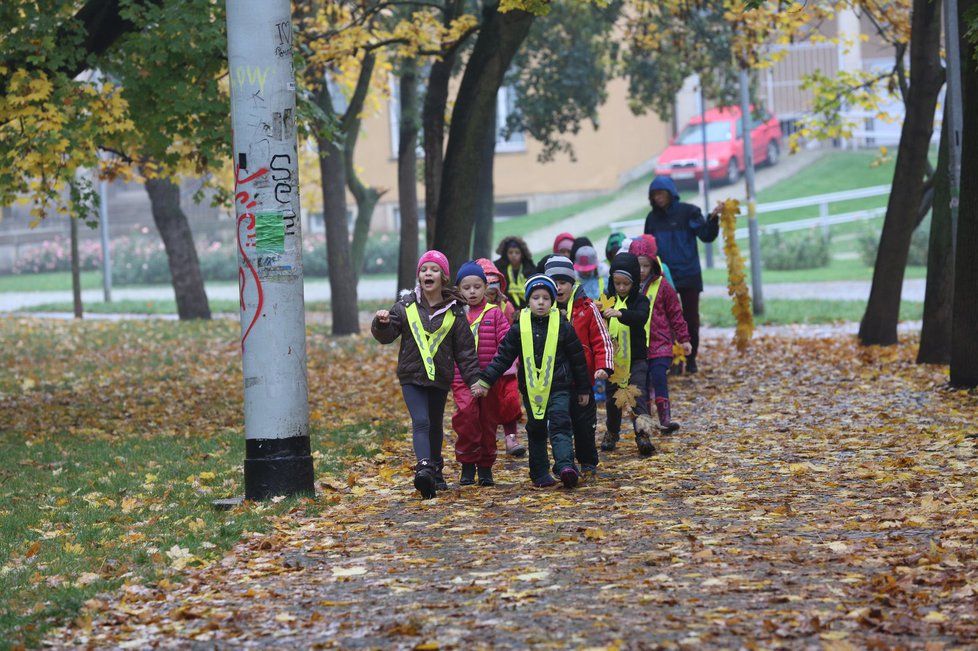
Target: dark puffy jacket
[(570, 371), (457, 348), (676, 229), (636, 312)]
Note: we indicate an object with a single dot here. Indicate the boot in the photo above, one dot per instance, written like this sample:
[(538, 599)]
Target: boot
[(513, 446), (424, 478), (468, 475), (609, 441), (569, 477), (691, 363), (665, 417), (485, 477), (440, 483), (643, 427)]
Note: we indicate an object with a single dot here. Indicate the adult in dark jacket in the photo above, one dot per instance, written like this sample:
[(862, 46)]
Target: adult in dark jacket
[(569, 381), (676, 225)]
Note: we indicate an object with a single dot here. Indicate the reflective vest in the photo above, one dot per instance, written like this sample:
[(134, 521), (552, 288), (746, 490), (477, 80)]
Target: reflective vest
[(428, 342), (652, 292), (538, 380), (621, 335), (517, 285), (475, 324)]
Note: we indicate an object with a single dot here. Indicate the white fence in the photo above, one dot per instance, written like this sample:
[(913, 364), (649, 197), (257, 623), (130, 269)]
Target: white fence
[(824, 220)]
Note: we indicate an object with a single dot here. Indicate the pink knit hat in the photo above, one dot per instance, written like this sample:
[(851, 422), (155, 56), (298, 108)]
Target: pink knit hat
[(438, 258), (644, 246)]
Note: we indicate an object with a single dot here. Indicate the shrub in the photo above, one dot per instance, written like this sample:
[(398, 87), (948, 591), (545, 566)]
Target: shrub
[(55, 255), (807, 250), (869, 243)]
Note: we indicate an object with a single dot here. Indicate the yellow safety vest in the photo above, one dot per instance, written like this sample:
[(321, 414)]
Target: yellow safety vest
[(517, 285), (538, 380), (621, 335), (428, 342), (652, 292), (475, 324)]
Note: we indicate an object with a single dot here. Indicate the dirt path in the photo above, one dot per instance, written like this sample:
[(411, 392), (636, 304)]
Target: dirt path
[(818, 496)]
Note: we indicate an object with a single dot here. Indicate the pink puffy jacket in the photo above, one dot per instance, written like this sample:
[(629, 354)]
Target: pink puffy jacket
[(667, 323), (493, 328)]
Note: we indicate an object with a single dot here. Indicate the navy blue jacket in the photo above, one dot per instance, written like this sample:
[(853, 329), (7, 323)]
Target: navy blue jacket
[(675, 230)]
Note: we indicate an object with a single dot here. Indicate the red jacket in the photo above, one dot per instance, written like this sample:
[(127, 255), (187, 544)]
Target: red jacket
[(592, 330), (667, 324), (492, 329)]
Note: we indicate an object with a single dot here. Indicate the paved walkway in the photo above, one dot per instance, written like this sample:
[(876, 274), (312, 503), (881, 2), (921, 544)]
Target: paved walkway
[(542, 240), (370, 289)]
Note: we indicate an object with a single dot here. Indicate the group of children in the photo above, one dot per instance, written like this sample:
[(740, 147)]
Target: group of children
[(545, 335)]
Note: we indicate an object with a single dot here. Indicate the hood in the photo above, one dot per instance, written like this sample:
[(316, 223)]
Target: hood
[(561, 237), (664, 183), (625, 262), (488, 268), (449, 297)]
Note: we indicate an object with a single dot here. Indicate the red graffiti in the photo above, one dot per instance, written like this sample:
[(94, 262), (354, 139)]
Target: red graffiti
[(249, 219)]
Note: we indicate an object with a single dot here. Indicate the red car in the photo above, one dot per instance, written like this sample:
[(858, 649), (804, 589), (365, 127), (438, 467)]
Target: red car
[(683, 158)]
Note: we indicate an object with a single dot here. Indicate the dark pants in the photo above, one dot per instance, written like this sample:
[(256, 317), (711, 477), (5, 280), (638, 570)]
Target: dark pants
[(636, 378), (658, 377), (585, 420), (427, 408), (556, 426), (691, 312)]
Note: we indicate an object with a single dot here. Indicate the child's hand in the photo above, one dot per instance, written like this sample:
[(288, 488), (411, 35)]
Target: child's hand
[(478, 391), (383, 317), (583, 399), (600, 374), (715, 214), (612, 313), (687, 348)]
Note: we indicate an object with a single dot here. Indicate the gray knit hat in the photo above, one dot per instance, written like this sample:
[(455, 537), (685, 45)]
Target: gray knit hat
[(560, 268)]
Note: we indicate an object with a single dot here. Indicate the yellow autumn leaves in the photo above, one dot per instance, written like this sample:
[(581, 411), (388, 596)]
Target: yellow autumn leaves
[(736, 277)]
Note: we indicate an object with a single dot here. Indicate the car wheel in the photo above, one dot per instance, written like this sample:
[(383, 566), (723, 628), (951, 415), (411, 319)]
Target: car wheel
[(733, 172), (773, 153)]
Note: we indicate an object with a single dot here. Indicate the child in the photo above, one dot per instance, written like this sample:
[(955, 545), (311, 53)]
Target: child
[(613, 246), (589, 274), (665, 325), (496, 293), (590, 328), (516, 266), (476, 419), (647, 250), (553, 369), (434, 338), (627, 319), (563, 245)]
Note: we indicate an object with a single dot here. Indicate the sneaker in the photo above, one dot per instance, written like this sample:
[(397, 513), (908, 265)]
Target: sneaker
[(569, 477), (485, 477), (424, 479), (467, 477), (588, 472), (513, 446), (609, 441), (544, 482)]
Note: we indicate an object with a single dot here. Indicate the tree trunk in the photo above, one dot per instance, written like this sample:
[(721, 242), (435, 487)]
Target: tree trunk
[(407, 174), (500, 36), (484, 206), (342, 282), (75, 270), (964, 326), (178, 240), (365, 196), (935, 335), (879, 324), (433, 125)]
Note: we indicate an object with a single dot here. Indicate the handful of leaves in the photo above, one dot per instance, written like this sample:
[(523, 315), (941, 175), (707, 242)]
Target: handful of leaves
[(736, 279)]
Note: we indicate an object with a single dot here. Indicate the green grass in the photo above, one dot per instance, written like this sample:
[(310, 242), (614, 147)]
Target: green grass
[(837, 270), (716, 312), (169, 306), (49, 281)]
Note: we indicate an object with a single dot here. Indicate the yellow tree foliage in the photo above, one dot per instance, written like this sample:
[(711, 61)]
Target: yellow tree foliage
[(736, 277)]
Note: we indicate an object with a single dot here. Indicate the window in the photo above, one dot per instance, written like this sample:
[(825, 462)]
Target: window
[(715, 132), (505, 105)]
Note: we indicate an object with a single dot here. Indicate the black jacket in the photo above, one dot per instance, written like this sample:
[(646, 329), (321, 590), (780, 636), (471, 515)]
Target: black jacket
[(570, 371), (636, 313)]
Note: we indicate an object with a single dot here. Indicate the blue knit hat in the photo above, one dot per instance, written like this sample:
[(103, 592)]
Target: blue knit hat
[(538, 281), (470, 268)]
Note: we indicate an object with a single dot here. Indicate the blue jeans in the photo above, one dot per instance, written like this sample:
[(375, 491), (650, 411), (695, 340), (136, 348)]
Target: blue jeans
[(658, 377)]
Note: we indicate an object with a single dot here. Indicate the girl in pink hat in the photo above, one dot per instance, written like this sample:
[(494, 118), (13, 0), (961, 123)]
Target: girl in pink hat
[(435, 336)]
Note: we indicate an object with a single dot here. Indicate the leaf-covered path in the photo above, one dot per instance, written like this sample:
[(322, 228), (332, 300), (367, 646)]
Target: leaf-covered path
[(818, 496)]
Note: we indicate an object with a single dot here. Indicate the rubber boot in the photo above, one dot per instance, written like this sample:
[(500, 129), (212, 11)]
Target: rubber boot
[(440, 483), (609, 441), (485, 477), (467, 477), (643, 428), (666, 423)]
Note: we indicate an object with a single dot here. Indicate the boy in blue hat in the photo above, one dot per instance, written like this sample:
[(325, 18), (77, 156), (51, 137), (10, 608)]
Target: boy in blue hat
[(553, 369)]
